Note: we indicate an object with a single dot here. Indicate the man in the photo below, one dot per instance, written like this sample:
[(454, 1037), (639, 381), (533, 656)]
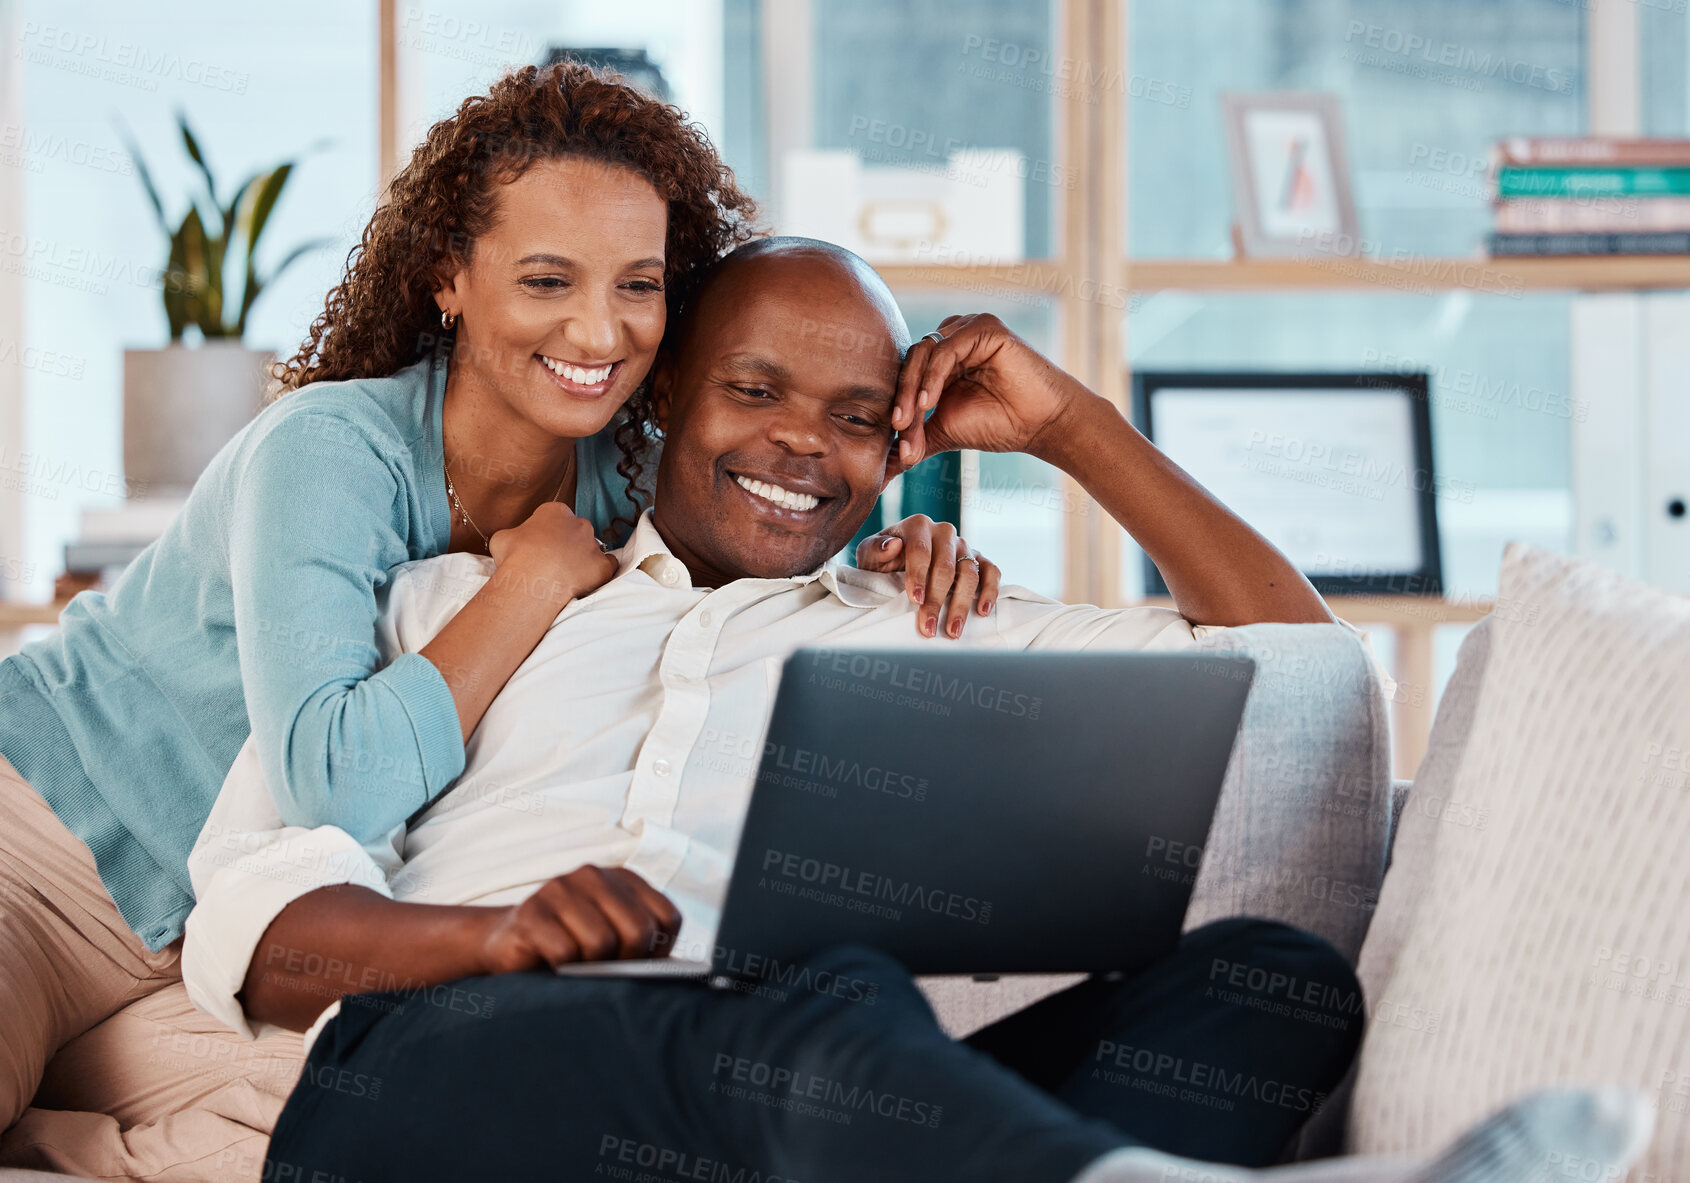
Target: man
[(605, 789)]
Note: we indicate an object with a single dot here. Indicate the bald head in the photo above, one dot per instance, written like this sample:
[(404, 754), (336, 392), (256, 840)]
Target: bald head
[(828, 266), (775, 394)]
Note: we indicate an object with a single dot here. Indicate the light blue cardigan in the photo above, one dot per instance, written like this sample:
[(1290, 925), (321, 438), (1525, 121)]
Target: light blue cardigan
[(256, 612)]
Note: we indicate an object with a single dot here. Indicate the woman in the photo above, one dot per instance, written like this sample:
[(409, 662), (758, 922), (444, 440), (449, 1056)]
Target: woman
[(472, 377)]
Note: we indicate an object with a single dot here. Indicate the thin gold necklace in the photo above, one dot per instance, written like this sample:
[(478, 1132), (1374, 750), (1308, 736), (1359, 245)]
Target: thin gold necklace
[(463, 513)]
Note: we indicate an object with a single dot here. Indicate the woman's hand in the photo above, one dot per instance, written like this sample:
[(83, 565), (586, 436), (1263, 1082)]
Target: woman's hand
[(556, 552), (940, 571), (590, 914), (988, 389)]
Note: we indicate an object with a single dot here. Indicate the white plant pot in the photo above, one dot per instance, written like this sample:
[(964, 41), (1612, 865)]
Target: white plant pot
[(182, 404)]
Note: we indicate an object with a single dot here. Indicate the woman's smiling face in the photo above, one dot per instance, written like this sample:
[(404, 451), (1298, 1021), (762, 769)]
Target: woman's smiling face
[(561, 306)]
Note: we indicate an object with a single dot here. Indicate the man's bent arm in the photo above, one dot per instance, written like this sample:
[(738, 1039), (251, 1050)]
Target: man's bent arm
[(351, 940), (1219, 569)]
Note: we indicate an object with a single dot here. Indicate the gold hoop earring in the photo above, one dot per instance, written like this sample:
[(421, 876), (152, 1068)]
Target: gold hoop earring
[(448, 320)]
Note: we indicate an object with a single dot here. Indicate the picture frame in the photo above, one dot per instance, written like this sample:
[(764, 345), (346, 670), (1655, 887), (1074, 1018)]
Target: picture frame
[(1333, 468), (1290, 175)]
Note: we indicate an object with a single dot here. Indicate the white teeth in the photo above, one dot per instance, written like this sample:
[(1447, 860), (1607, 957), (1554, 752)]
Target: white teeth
[(575, 373), (785, 498)]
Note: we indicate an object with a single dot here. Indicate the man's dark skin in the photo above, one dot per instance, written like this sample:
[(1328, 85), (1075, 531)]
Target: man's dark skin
[(784, 371)]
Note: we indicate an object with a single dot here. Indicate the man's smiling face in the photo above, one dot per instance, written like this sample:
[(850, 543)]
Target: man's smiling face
[(777, 411)]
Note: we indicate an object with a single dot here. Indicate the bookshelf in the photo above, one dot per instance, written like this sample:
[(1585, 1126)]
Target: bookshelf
[(1053, 277), (1092, 258)]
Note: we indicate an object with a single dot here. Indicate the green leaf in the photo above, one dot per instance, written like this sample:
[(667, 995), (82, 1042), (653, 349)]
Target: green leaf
[(146, 176), (216, 261), (254, 285), (177, 298), (264, 199), (186, 282), (198, 158), (232, 215)]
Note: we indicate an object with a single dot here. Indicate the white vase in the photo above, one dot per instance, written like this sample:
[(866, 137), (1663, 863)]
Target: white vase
[(180, 405)]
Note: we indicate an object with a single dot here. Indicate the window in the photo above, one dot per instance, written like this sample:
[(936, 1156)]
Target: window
[(88, 254)]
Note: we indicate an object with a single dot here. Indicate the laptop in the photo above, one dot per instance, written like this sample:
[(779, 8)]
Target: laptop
[(974, 812)]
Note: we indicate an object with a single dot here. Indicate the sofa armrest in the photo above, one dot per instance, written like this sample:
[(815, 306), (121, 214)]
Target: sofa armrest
[(1302, 831)]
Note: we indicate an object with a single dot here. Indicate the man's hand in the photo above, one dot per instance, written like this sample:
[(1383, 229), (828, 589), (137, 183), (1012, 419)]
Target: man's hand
[(992, 392), (590, 914), (342, 939)]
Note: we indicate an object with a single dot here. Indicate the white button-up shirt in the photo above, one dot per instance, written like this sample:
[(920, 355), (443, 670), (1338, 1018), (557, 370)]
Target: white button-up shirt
[(630, 737)]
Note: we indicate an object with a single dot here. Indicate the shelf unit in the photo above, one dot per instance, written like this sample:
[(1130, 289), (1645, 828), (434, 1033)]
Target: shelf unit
[(1093, 284), (1413, 275)]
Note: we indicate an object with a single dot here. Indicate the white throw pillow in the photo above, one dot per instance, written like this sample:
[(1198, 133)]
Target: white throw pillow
[(1535, 925)]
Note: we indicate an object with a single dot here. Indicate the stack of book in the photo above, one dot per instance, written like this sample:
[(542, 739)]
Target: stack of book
[(1591, 196)]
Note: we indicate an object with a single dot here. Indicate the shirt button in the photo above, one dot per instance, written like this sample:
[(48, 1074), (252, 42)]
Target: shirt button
[(669, 576), (704, 620), (661, 767)]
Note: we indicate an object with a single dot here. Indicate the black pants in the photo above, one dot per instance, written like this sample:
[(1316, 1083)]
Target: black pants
[(836, 1073)]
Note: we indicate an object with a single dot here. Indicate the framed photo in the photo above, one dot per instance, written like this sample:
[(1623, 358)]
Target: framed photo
[(1334, 469), (1290, 175)]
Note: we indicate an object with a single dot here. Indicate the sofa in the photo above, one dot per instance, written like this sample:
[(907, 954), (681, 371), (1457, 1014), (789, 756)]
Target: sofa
[(1303, 827), (1533, 926)]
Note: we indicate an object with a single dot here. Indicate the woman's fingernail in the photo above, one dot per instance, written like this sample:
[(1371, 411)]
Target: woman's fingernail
[(985, 607), (919, 594), (956, 629), (927, 628)]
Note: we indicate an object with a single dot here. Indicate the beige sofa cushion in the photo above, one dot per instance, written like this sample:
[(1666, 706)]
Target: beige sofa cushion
[(1535, 925)]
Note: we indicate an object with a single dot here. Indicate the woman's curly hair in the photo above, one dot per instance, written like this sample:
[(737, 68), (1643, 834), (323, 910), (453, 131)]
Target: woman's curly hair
[(382, 316)]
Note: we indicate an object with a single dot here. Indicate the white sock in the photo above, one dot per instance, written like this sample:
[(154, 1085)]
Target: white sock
[(1541, 1138)]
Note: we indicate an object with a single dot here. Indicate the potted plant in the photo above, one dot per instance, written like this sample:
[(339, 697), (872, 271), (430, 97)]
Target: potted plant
[(182, 403)]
